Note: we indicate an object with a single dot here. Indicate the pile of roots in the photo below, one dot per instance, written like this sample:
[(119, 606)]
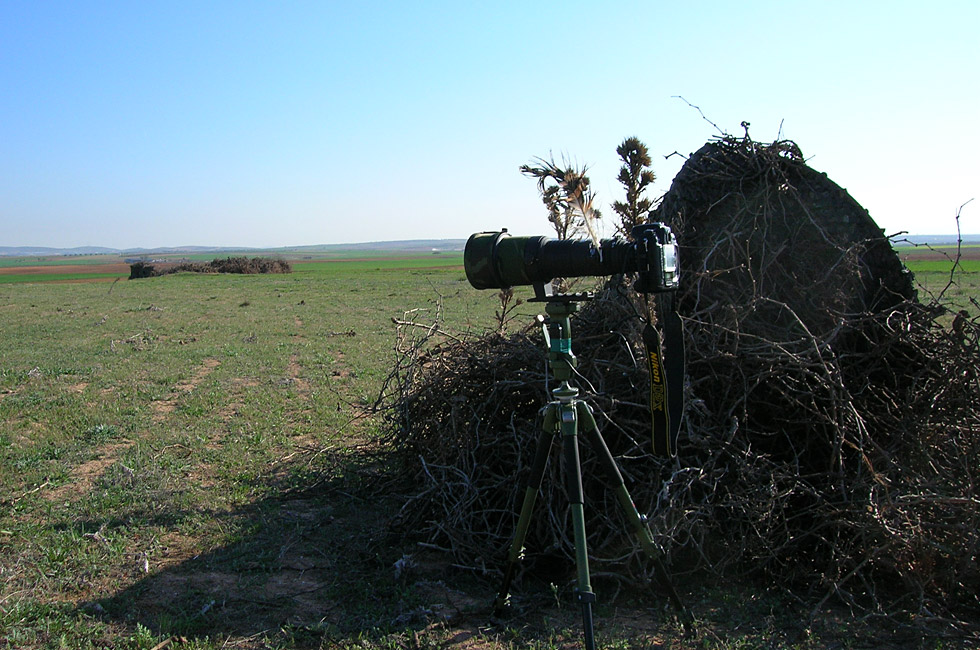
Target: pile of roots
[(245, 265), (831, 438)]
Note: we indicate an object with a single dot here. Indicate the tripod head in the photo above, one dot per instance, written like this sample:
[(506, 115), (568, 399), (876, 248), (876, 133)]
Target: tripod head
[(557, 331)]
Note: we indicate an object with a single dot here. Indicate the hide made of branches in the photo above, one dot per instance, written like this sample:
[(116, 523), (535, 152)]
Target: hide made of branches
[(831, 438)]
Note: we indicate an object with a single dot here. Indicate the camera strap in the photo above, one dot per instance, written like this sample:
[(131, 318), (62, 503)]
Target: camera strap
[(665, 361)]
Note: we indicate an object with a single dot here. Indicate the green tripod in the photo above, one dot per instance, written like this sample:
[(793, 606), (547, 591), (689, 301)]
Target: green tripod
[(564, 417)]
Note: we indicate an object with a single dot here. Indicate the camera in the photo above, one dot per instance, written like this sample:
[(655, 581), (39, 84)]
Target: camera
[(498, 260)]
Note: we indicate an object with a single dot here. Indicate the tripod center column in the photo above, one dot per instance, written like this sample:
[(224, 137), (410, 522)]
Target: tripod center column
[(560, 356)]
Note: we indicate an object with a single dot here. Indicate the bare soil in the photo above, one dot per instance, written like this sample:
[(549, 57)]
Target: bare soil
[(939, 253), (51, 269)]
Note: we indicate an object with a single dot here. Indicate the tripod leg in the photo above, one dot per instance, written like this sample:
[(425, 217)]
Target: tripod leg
[(576, 499), (640, 529), (534, 480)]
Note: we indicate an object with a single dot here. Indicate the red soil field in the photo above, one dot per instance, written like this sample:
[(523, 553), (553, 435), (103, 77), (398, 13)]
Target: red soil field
[(938, 253), (118, 267)]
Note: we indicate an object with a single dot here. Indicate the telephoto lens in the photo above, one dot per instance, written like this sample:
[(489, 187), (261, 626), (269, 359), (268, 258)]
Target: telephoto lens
[(497, 260)]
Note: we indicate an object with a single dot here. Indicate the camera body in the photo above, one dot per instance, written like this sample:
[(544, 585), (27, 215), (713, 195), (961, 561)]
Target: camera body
[(497, 260)]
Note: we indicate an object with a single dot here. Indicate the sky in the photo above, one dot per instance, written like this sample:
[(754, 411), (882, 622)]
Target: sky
[(267, 124)]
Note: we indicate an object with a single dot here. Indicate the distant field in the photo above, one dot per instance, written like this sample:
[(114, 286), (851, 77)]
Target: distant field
[(58, 260), (922, 253), (15, 278), (942, 266), (378, 263), (103, 268), (935, 274), (932, 266), (92, 271)]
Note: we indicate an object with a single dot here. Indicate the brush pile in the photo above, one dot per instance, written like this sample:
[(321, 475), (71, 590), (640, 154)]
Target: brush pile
[(831, 440), (245, 265)]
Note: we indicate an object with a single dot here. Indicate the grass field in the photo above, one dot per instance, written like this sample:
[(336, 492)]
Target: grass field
[(955, 280), (188, 462), (175, 441)]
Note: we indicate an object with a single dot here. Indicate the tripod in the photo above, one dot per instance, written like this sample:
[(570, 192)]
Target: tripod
[(565, 417)]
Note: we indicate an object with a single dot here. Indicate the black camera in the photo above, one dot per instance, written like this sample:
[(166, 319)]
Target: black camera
[(497, 260)]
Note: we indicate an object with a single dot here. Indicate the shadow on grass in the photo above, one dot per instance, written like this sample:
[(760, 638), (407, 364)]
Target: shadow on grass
[(317, 563), (320, 567)]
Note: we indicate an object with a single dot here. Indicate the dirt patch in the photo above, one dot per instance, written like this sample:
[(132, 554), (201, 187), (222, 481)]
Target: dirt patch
[(85, 475), (253, 585), (208, 585), (230, 410), (293, 377), (163, 408), (199, 376), (173, 548), (236, 399), (340, 368)]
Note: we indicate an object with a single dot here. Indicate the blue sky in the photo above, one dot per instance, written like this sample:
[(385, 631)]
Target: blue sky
[(271, 124)]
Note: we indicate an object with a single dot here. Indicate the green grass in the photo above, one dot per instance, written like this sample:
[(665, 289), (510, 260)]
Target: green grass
[(207, 426), (61, 260), (943, 266), (381, 263), (189, 457), (956, 291), (59, 277)]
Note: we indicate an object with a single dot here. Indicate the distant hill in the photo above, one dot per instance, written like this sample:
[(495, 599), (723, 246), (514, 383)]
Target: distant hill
[(408, 246), (42, 251)]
